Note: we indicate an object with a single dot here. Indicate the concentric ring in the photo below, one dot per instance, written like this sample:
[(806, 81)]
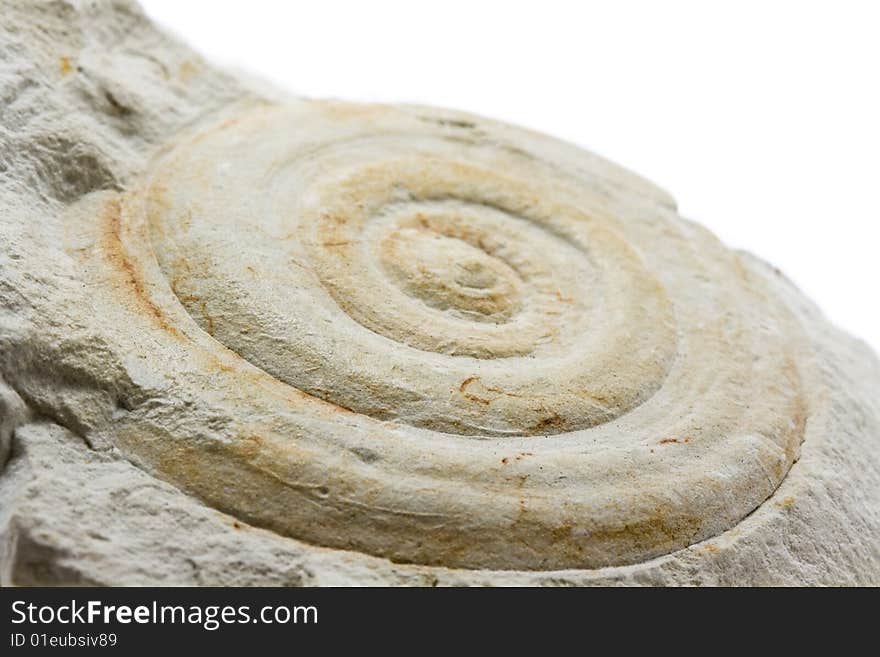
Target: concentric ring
[(592, 335), (456, 342)]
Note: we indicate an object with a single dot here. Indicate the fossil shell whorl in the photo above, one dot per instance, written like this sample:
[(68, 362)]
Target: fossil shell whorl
[(452, 342)]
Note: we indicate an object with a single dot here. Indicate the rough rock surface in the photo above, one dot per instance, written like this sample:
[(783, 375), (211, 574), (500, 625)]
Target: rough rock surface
[(251, 339)]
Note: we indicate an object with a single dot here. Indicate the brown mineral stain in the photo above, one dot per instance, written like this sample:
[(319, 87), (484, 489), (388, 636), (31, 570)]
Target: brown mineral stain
[(473, 385), (555, 422), (563, 533), (668, 441), (518, 457), (787, 502), (65, 66)]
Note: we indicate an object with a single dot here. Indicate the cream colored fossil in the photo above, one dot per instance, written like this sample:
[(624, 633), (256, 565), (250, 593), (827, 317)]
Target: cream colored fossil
[(443, 347)]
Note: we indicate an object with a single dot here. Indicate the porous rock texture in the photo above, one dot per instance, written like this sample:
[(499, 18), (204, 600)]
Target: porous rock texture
[(253, 339)]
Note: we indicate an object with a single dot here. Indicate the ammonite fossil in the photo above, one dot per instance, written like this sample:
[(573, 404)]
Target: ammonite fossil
[(410, 345)]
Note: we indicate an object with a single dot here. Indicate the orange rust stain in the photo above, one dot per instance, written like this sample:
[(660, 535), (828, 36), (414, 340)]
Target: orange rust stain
[(65, 66), (130, 276), (116, 253), (463, 389)]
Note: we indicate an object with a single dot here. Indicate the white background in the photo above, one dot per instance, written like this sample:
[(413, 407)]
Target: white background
[(761, 118)]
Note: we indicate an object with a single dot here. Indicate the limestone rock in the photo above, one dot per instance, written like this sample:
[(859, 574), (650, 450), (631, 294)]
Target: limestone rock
[(247, 338)]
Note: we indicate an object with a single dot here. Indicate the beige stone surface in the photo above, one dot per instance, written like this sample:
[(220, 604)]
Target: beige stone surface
[(248, 338)]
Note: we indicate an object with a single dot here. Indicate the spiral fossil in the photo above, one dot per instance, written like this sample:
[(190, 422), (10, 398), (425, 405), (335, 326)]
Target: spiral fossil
[(454, 342), (253, 339)]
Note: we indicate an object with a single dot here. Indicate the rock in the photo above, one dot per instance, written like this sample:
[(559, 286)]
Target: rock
[(253, 339)]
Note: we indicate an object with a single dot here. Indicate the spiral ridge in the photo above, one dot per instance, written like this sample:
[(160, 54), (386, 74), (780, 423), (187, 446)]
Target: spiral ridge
[(474, 346)]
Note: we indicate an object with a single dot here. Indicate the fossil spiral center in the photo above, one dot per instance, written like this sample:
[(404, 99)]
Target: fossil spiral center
[(450, 274), (411, 280)]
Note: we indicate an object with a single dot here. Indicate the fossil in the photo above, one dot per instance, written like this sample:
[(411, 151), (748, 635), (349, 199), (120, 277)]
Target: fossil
[(325, 342)]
